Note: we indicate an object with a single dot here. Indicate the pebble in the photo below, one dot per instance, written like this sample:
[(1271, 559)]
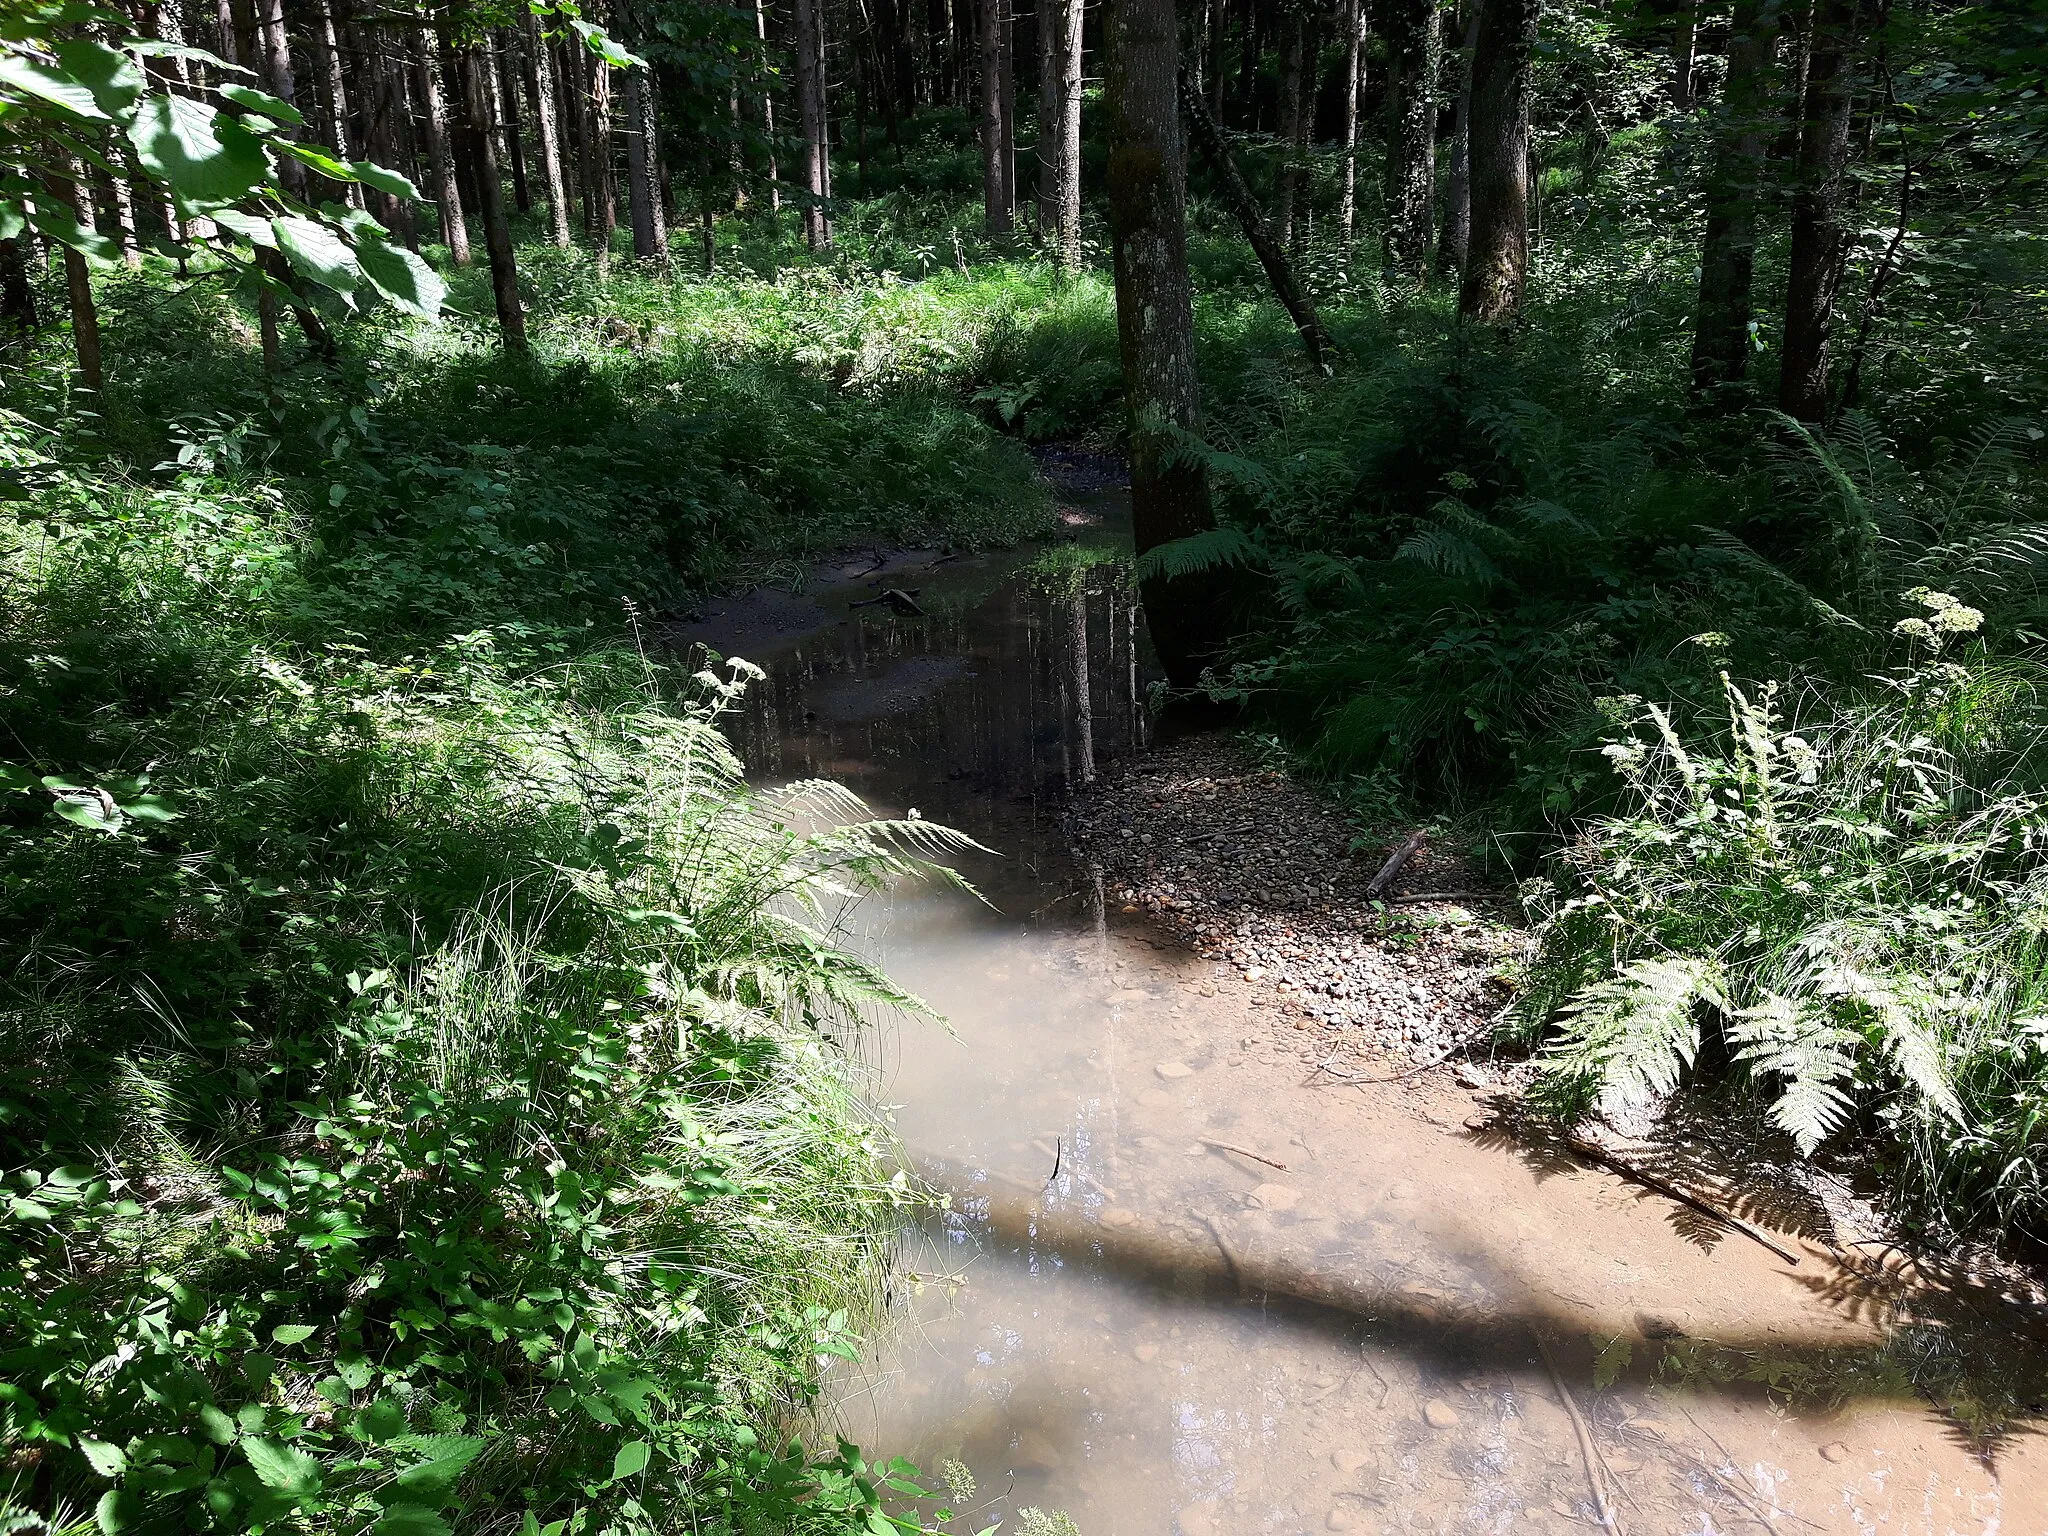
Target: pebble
[(1146, 1352), (1173, 1069), (1348, 1460), (1440, 1414), (1339, 1519), (1116, 1216), (1473, 1077), (1275, 1197), (1834, 1450)]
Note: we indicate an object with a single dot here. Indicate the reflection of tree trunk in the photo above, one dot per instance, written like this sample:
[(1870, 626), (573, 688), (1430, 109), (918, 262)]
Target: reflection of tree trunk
[(1084, 705), (1155, 317), (1721, 339), (1497, 257), (1819, 241)]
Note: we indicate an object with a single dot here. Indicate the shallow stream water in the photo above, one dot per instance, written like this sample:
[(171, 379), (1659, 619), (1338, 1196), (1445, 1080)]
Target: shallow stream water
[(1184, 1286)]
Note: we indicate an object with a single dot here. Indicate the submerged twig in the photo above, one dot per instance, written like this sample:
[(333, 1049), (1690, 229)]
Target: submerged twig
[(1589, 1453), (1648, 1180), (1231, 1146)]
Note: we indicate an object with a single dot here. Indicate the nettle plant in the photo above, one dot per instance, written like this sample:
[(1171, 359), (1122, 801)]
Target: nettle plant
[(1850, 910)]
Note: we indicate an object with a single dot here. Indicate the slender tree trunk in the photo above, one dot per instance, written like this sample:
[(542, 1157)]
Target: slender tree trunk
[(1721, 334), (810, 95), (1272, 254), (1819, 239), (540, 100), (575, 76), (1068, 169), (1213, 81), (1006, 37), (473, 95), (1355, 24), (601, 148), (1684, 39), (1047, 21), (707, 238), (997, 214), (507, 50), (1155, 316), (85, 315), (277, 70), (327, 65), (1292, 69), (650, 236), (123, 200), (768, 111), (1497, 261), (447, 186), (1251, 48), (1457, 232), (1414, 51), (1084, 702), (17, 293)]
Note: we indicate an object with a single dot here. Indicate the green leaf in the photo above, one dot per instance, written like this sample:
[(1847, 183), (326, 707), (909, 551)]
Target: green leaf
[(370, 174), (402, 277), (58, 222), (264, 102), (94, 812), (382, 1420), (282, 1468), (219, 1428), (317, 158), (317, 252), (631, 1460), (411, 1520), (205, 157), (252, 229), (21, 77), (291, 1333), (107, 1460), (111, 76), (117, 1510), (13, 220)]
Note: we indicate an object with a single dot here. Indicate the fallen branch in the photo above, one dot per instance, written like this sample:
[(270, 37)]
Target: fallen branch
[(1589, 1453), (1410, 846), (1227, 1146), (1648, 1180), (1435, 1061), (1448, 896)]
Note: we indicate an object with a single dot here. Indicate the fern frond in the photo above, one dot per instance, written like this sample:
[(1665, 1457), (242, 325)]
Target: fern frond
[(1632, 1033), (1210, 550), (1799, 1041), (1449, 554)]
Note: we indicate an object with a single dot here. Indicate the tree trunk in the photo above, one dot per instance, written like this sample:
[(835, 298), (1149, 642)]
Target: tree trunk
[(17, 293), (85, 316), (540, 99), (1068, 168), (1292, 69), (1355, 25), (650, 235), (506, 48), (277, 69), (1684, 39), (768, 111), (1819, 240), (602, 158), (1497, 258), (996, 212), (1721, 334), (1155, 317), (1414, 51), (447, 187), (1272, 255), (473, 97), (1006, 35), (327, 65), (810, 95), (1047, 19), (1455, 242)]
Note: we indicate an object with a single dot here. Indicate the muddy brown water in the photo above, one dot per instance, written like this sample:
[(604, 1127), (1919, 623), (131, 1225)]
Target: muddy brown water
[(1129, 1314)]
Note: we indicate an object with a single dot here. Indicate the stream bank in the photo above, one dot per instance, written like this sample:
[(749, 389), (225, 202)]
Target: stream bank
[(1187, 1282)]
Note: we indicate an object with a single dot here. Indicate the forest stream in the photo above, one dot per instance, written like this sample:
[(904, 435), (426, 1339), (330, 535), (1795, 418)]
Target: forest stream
[(1184, 1285)]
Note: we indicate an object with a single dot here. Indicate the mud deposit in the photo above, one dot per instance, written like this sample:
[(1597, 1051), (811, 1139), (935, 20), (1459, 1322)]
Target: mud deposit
[(1187, 1284)]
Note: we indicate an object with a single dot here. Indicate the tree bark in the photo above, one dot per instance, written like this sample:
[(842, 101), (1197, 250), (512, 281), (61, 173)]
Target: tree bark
[(997, 214), (1497, 256), (1006, 35), (540, 98), (506, 48), (1047, 22), (1272, 255), (1721, 333), (650, 234), (1684, 39), (1292, 69), (768, 111), (1455, 242), (85, 315), (327, 64), (1068, 170), (1414, 52), (277, 69), (1820, 241), (810, 93), (1355, 25), (602, 160), (17, 294), (482, 154), (1155, 317), (447, 186)]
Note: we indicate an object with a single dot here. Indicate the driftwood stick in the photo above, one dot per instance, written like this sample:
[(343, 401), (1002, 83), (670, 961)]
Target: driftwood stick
[(1231, 1146), (1410, 846), (1448, 896), (1648, 1180), (1589, 1453)]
